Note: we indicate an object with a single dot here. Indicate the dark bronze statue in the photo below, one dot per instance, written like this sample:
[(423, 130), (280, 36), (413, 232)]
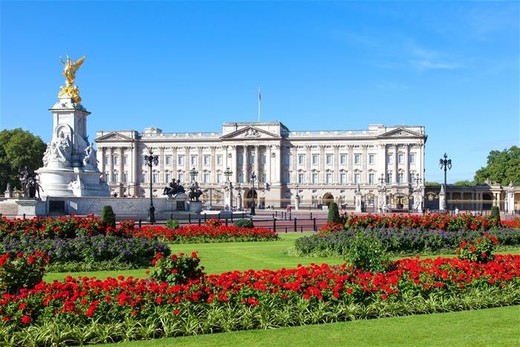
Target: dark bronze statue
[(195, 192), (173, 188), (29, 182)]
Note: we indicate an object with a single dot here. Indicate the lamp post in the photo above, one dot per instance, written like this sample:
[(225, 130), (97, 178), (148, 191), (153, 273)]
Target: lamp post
[(444, 164), (228, 174), (151, 160), (253, 177)]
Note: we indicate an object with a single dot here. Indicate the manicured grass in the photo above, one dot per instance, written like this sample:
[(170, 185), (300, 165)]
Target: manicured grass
[(489, 327), (228, 256)]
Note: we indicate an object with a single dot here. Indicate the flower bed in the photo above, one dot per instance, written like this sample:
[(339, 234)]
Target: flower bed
[(428, 221), (81, 310), (86, 243), (407, 233), (206, 233), (399, 240)]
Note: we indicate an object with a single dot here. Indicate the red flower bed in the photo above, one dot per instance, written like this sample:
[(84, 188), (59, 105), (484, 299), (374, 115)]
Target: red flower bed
[(205, 233), (81, 300), (512, 223)]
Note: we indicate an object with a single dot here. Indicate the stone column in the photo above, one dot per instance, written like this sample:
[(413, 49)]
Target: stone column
[(350, 164), (335, 176), (364, 164)]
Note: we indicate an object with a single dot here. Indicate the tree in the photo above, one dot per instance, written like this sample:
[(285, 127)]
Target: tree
[(464, 183), (18, 148), (502, 167)]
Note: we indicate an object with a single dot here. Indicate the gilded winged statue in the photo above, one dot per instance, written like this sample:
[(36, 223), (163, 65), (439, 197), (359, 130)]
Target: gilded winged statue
[(69, 72)]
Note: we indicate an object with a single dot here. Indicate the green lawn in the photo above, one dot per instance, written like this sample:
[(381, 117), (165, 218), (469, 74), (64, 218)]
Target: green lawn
[(490, 327), (222, 257)]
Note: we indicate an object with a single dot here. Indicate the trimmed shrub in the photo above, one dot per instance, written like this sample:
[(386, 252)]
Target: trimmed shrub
[(172, 224), (244, 223), (495, 216), (333, 216), (108, 216), (367, 253)]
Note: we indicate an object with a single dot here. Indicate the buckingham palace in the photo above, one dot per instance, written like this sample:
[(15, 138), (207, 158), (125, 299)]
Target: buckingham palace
[(269, 165)]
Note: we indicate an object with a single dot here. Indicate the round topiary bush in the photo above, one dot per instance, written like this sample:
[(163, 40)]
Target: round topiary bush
[(108, 216), (172, 224), (333, 216), (244, 223)]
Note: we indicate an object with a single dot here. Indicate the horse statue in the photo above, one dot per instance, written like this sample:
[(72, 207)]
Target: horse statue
[(195, 192)]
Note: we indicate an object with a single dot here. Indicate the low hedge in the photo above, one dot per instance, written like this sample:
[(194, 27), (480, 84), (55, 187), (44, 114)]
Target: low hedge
[(399, 241)]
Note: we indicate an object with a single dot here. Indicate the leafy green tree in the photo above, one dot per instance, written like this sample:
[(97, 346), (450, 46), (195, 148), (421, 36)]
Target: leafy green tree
[(464, 183), (502, 167), (18, 148), (431, 184)]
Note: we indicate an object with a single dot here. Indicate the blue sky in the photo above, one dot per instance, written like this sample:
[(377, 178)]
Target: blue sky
[(452, 67)]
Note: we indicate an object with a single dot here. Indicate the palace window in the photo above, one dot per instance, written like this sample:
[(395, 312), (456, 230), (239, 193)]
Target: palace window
[(343, 159), (343, 178), (167, 176), (389, 178), (315, 159), (219, 177), (180, 160), (301, 159), (314, 177), (400, 177), (167, 160), (206, 177), (357, 158), (357, 178), (219, 159), (193, 160), (389, 158), (125, 159), (412, 158), (206, 160), (301, 177), (328, 178), (371, 178), (371, 159), (400, 158), (116, 159), (329, 159)]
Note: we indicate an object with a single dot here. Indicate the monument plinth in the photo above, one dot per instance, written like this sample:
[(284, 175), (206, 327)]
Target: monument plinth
[(69, 163)]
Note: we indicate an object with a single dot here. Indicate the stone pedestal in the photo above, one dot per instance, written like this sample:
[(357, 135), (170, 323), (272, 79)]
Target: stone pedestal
[(70, 164), (195, 206), (442, 199), (30, 207), (357, 201)]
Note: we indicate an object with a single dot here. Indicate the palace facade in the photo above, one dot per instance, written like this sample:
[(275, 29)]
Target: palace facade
[(269, 164)]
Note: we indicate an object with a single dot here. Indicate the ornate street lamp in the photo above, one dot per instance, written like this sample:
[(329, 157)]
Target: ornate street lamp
[(253, 177), (446, 165), (151, 160)]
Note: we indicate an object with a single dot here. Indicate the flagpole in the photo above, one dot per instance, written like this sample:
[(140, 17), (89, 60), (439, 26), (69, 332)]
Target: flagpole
[(259, 103)]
